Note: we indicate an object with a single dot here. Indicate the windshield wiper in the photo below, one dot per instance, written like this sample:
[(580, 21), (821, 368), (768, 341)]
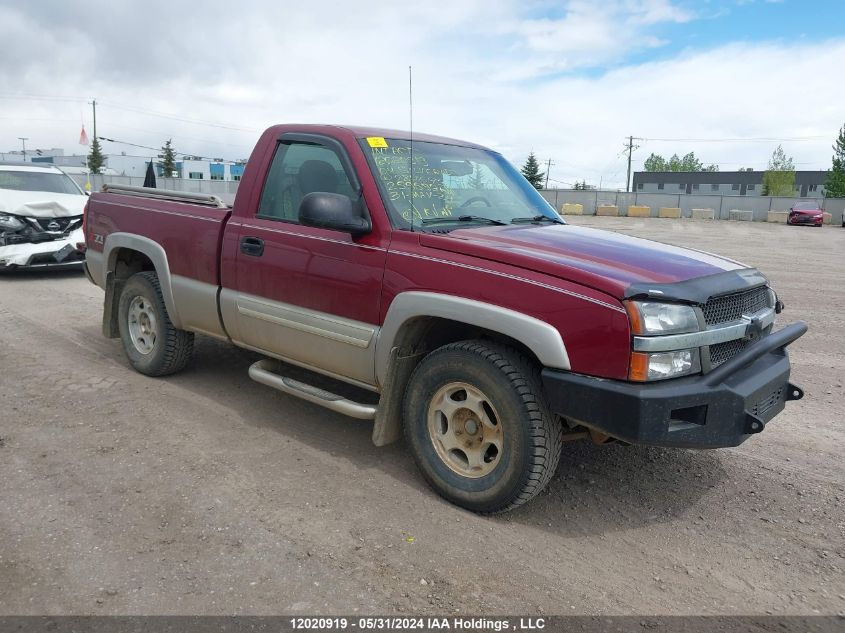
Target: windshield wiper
[(536, 218), (463, 218)]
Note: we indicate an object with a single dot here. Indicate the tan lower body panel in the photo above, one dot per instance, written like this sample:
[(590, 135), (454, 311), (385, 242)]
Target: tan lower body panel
[(326, 343)]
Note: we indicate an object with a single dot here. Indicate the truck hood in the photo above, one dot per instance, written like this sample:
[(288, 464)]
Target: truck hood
[(604, 260), (41, 204)]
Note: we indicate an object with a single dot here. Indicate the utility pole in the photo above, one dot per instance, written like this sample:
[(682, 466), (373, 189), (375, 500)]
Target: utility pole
[(93, 103), (629, 149), (548, 168), (23, 140)]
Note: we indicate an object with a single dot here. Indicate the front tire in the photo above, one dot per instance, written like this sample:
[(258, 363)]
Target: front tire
[(479, 427), (153, 346)]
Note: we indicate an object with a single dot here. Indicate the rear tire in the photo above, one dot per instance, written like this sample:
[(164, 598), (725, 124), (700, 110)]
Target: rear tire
[(479, 427), (153, 346)]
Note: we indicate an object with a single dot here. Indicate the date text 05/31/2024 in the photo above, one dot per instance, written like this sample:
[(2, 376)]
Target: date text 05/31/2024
[(416, 624)]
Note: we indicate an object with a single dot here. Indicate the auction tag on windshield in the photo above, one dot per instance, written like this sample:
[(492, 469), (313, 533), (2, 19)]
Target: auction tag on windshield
[(376, 141)]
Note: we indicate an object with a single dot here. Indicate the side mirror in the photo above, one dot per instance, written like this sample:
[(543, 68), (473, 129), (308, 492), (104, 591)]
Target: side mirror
[(333, 211)]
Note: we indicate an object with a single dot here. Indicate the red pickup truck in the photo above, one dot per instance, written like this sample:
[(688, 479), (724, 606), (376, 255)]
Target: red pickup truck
[(428, 272)]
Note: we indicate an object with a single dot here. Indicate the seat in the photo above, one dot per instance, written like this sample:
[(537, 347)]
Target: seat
[(317, 175)]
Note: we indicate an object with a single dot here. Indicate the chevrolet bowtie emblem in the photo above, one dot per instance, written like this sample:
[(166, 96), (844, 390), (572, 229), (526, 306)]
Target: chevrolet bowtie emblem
[(754, 330)]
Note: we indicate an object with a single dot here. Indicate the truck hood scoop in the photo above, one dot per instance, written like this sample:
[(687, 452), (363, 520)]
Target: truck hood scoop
[(604, 260)]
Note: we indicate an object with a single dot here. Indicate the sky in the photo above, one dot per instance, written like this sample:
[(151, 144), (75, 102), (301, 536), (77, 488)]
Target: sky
[(568, 80)]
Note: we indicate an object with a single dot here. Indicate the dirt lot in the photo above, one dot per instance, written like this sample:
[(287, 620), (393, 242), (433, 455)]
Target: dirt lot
[(207, 493)]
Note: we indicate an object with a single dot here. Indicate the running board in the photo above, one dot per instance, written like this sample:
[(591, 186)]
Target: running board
[(262, 372)]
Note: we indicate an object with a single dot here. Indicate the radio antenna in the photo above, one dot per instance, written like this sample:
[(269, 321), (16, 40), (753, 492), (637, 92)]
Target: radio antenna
[(411, 111)]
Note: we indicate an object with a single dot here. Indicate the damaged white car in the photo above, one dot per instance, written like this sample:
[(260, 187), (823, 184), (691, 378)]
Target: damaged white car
[(40, 217)]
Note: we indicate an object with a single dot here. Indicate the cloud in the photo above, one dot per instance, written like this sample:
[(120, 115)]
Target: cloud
[(507, 74)]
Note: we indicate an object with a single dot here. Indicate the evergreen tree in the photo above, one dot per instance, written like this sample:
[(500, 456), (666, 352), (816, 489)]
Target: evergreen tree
[(834, 186), (168, 160), (532, 173), (95, 157), (779, 178)]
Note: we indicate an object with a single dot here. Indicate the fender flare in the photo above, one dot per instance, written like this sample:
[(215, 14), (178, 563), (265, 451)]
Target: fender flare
[(155, 252), (543, 339)]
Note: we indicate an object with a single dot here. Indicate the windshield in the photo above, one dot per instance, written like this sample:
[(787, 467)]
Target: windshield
[(451, 183), (37, 181)]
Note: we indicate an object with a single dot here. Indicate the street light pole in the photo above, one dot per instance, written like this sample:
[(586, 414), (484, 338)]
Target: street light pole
[(23, 140)]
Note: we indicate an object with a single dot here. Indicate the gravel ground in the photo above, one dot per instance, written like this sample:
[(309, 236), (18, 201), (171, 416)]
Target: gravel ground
[(206, 493)]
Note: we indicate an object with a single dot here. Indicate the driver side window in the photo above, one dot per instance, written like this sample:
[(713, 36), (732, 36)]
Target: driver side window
[(298, 169)]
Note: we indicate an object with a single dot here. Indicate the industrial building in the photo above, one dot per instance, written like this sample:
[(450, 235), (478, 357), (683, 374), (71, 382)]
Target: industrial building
[(808, 184), (189, 167)]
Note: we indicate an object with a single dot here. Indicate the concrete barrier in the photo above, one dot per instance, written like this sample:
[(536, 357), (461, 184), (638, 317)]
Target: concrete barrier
[(639, 211), (607, 209), (778, 217), (572, 209), (703, 214), (669, 212), (741, 215)]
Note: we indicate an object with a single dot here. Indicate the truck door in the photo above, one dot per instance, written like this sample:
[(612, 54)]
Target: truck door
[(307, 295)]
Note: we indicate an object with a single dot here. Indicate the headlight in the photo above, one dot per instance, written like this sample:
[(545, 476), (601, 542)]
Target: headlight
[(663, 365), (10, 222), (651, 318)]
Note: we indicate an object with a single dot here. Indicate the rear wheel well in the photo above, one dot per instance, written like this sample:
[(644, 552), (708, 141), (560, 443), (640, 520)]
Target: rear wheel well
[(123, 263), (127, 262)]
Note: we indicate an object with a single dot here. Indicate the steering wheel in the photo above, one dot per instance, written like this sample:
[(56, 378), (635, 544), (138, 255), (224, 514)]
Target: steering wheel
[(468, 202)]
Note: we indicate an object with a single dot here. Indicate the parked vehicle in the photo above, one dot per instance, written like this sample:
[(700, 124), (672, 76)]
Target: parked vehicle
[(432, 274), (806, 213), (40, 217)]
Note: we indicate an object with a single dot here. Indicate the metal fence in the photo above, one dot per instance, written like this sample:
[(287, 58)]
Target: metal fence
[(722, 205), (590, 199)]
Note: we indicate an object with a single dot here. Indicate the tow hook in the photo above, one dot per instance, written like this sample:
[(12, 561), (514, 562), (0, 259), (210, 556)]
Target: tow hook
[(794, 392), (753, 424)]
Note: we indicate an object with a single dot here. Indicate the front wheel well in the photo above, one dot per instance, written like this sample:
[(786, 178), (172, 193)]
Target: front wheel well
[(417, 338), (422, 335)]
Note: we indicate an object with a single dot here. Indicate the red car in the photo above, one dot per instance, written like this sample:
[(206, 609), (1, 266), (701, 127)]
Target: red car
[(806, 213)]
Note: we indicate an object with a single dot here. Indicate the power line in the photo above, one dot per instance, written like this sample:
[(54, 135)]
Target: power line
[(42, 98), (159, 149), (177, 118), (737, 140), (135, 109)]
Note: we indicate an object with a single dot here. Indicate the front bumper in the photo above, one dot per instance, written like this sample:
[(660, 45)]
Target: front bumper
[(721, 408), (815, 220), (44, 254)]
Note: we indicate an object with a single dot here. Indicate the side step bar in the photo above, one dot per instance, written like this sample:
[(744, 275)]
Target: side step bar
[(262, 372)]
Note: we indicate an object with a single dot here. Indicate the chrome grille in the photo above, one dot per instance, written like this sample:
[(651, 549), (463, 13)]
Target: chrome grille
[(731, 307)]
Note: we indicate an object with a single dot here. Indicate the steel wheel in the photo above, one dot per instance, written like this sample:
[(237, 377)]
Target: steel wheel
[(143, 324), (465, 430)]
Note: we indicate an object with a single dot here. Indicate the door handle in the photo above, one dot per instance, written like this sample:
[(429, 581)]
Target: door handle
[(253, 246)]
